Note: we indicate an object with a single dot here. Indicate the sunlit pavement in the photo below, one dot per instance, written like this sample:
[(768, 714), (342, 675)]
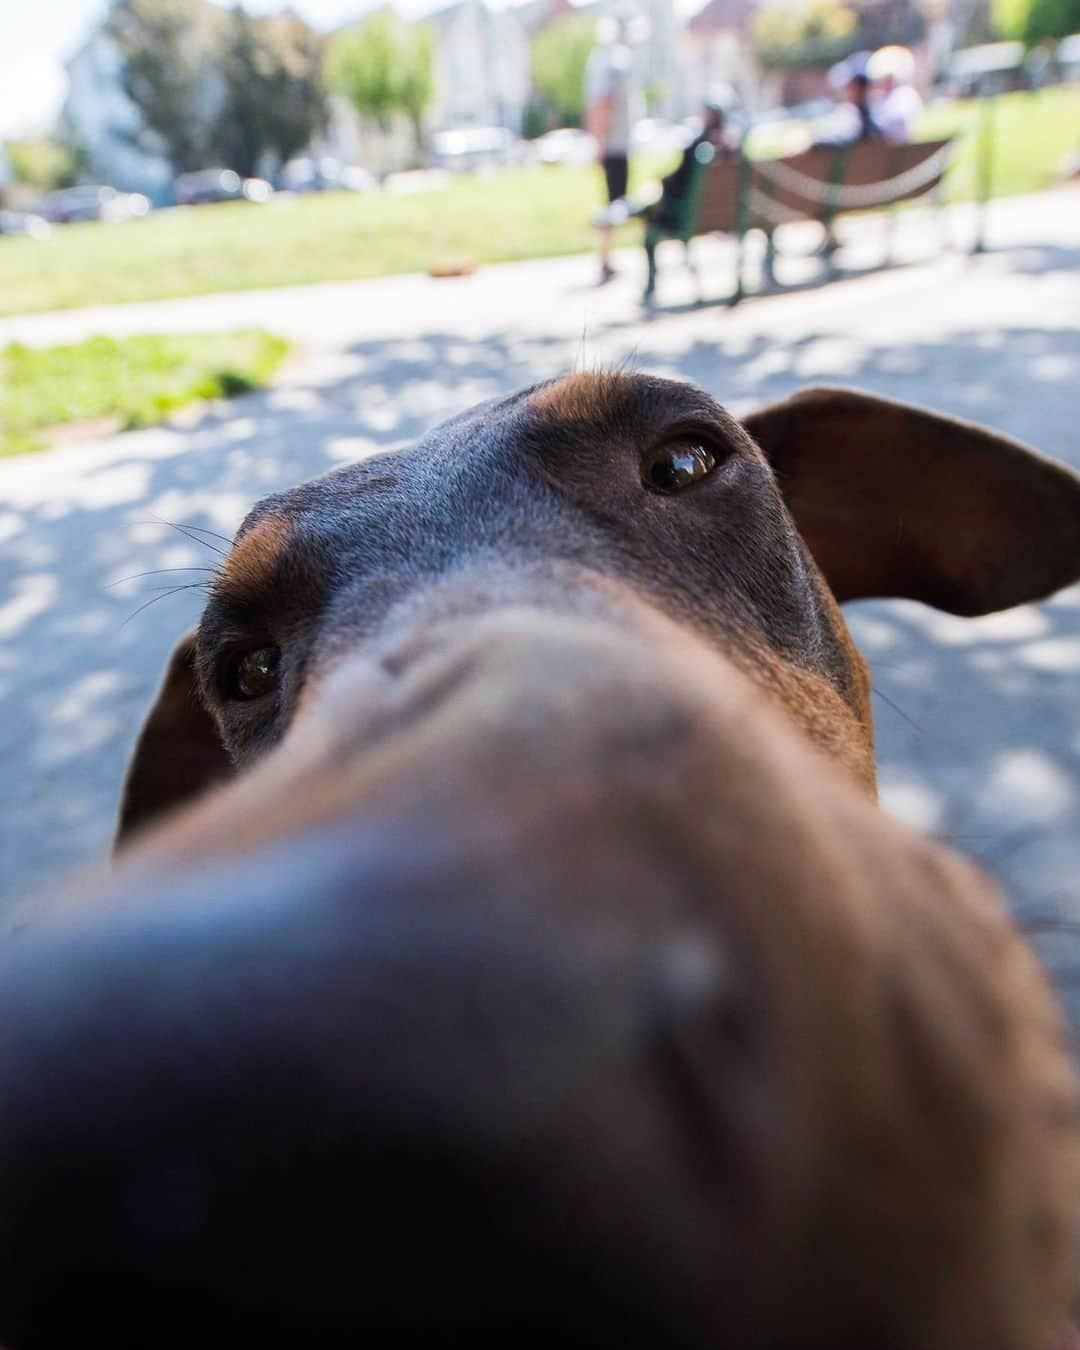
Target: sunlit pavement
[(979, 722)]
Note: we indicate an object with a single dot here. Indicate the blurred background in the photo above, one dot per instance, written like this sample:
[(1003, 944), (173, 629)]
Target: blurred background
[(241, 244), (115, 112)]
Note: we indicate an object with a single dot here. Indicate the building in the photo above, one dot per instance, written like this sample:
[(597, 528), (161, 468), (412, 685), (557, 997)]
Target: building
[(354, 140), (716, 51), (660, 61), (482, 67), (100, 119), (482, 78), (106, 127)]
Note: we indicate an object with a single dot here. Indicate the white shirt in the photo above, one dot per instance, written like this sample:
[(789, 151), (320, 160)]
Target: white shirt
[(898, 112), (608, 74)]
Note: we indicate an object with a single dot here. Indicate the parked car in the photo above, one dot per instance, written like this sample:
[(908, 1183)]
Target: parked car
[(655, 135), (476, 148), (204, 186), (992, 68), (325, 174), (1067, 57), (567, 145), (24, 222), (93, 202)]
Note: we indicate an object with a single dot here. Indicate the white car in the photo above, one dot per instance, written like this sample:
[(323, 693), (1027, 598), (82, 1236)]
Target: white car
[(654, 135), (567, 145), (325, 174), (24, 222), (93, 202), (208, 186), (475, 147)]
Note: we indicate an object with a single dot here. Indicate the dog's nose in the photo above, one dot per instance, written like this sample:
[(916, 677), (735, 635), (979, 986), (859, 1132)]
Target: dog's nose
[(362, 1114)]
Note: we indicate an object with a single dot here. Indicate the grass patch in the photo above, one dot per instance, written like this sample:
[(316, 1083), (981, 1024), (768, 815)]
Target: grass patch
[(1034, 133), (135, 380), (521, 213)]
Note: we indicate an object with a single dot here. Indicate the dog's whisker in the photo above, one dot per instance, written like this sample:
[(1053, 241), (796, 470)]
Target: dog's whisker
[(201, 529), (172, 590), (629, 363), (195, 585), (580, 359), (181, 529), (156, 571), (186, 531), (898, 710)]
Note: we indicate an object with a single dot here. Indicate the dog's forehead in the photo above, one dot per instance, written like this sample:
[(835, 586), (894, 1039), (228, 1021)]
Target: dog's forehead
[(595, 407), (617, 401)]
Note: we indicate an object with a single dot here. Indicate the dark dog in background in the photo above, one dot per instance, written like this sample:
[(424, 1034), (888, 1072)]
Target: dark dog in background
[(505, 947)]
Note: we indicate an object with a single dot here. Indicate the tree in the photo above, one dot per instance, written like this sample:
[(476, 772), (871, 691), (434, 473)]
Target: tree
[(560, 53), (384, 66), (43, 163), (808, 33), (166, 49), (273, 95), (416, 78), (1036, 20)]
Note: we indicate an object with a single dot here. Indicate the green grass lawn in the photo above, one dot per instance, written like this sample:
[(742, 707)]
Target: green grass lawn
[(136, 380), (1033, 136), (522, 213)]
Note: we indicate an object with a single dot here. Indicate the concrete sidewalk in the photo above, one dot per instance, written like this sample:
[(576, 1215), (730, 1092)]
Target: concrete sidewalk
[(979, 722), (335, 314)]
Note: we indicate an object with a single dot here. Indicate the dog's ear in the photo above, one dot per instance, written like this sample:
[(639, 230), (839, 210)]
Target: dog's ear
[(179, 750), (896, 501)]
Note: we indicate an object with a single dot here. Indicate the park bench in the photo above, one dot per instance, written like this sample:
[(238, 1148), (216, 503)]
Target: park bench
[(731, 194)]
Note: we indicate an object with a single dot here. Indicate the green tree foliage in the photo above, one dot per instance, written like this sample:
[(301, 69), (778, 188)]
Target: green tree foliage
[(803, 33), (273, 99), (384, 66), (1036, 20), (44, 163), (167, 51), (560, 53), (214, 86)]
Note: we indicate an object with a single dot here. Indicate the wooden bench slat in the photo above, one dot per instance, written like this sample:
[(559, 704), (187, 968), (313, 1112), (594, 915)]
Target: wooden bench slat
[(865, 163), (732, 194)]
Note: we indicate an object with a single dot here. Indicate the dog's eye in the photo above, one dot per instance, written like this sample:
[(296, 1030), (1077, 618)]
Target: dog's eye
[(255, 673), (678, 465)]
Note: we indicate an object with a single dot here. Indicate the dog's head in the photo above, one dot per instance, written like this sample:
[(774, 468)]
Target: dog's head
[(607, 493), (533, 978)]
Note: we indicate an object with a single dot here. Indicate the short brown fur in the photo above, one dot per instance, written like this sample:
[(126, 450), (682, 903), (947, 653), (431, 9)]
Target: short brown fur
[(791, 1081), (250, 566)]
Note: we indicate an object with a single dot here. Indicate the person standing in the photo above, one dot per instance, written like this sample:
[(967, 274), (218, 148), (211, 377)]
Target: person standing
[(897, 104), (610, 113), (853, 118)]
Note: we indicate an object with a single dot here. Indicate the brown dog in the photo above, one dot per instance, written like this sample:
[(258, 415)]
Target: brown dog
[(539, 970)]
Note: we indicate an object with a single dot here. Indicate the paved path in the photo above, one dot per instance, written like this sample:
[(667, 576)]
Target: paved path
[(979, 722)]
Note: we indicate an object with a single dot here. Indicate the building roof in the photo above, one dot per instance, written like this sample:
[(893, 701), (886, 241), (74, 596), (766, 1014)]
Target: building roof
[(537, 14), (721, 16)]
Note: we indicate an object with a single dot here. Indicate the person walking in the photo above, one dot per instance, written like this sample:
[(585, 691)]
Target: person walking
[(610, 113)]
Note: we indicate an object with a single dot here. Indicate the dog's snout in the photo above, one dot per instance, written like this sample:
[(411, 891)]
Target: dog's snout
[(473, 1099), (504, 953)]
